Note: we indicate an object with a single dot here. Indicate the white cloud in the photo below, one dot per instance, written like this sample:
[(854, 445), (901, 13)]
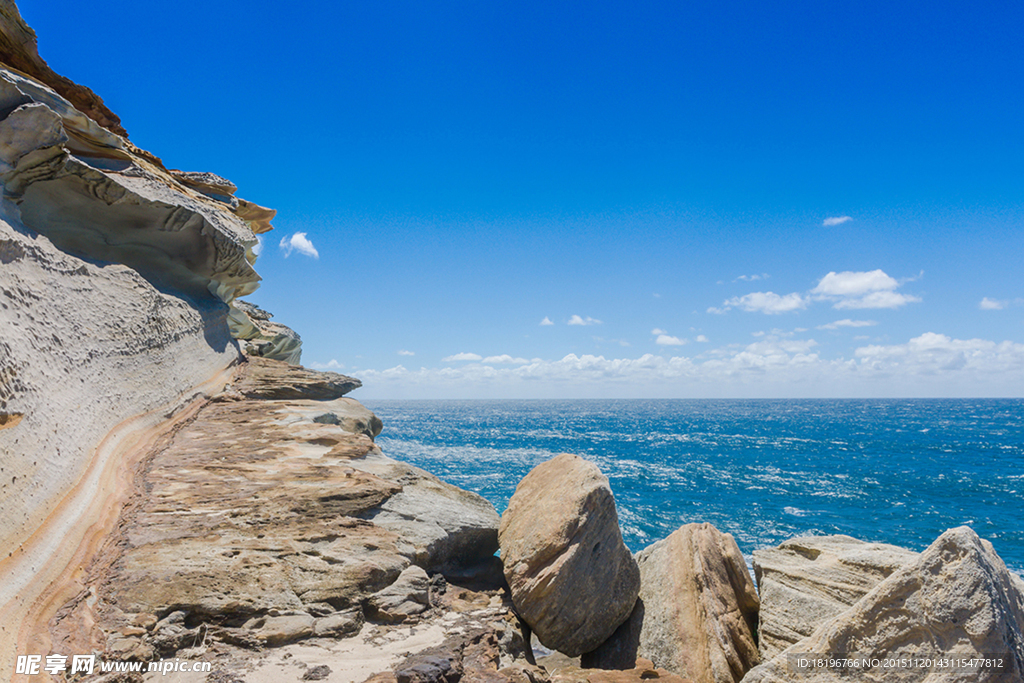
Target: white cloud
[(666, 340), (751, 278), (462, 356), (852, 283), (546, 321), (861, 289), (298, 242), (403, 352), (928, 365), (836, 220), (577, 320), (991, 304), (766, 302), (934, 354), (877, 300), (258, 247), (658, 330), (330, 365), (847, 323), (505, 358), (701, 338)]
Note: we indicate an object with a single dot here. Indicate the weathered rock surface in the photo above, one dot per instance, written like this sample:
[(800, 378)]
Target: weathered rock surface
[(92, 359), (264, 337), (253, 518), (408, 596), (282, 381), (806, 581), (697, 611), (257, 505), (955, 600), (572, 578)]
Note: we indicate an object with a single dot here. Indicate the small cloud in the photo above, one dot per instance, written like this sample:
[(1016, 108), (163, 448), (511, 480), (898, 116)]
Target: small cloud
[(991, 304), (577, 320), (751, 278), (666, 340), (836, 220), (546, 321), (298, 242), (462, 356), (657, 296), (403, 352), (258, 247), (505, 358), (766, 302), (658, 330), (330, 365), (847, 323), (701, 338), (861, 289)]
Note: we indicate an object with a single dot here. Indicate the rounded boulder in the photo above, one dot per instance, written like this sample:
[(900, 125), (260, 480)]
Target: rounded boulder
[(572, 579)]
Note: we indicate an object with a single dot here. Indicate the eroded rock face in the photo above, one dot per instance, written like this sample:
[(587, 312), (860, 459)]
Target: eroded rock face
[(275, 380), (697, 611), (572, 578), (83, 348), (260, 508), (264, 337), (806, 581), (955, 600)]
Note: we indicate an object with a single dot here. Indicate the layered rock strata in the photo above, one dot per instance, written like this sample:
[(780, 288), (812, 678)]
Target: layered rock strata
[(93, 360), (805, 581), (697, 611), (572, 578), (955, 601), (114, 274), (257, 516)]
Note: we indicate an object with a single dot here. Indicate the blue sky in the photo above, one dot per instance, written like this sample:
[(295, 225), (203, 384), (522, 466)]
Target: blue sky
[(752, 199)]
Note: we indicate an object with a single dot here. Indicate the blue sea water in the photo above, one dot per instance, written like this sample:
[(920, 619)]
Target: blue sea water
[(895, 471)]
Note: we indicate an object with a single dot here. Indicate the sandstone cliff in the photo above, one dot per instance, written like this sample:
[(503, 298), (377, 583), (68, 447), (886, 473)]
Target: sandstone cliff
[(117, 278)]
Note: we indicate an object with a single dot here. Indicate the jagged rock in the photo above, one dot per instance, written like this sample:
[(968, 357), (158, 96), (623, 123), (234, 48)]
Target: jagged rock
[(697, 611), (408, 596), (571, 577), (265, 338), (805, 581), (271, 379), (955, 600)]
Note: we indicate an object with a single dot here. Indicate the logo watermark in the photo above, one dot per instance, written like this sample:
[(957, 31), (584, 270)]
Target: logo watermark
[(32, 665)]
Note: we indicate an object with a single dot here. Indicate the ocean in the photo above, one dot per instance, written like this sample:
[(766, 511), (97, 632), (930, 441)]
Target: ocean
[(893, 471)]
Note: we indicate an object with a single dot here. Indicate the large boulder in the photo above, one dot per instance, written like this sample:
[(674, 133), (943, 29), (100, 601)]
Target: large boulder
[(697, 612), (571, 577), (807, 581), (956, 601)]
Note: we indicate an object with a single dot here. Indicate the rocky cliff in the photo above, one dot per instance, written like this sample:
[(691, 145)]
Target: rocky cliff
[(117, 283)]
